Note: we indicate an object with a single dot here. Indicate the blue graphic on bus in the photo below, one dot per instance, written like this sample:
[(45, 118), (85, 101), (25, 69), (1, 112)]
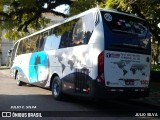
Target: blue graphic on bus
[(38, 67)]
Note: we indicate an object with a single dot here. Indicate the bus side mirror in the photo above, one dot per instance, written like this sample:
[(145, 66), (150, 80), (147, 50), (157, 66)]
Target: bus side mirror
[(9, 53)]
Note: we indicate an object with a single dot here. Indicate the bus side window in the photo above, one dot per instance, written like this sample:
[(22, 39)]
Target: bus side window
[(14, 52), (70, 38), (65, 34), (34, 43), (41, 43), (26, 46), (45, 41), (20, 48), (83, 30), (53, 40), (78, 33), (64, 40)]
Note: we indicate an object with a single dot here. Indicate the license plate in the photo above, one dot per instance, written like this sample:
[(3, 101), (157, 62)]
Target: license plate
[(129, 82)]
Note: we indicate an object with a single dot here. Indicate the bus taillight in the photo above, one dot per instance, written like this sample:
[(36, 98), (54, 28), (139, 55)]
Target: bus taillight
[(100, 78)]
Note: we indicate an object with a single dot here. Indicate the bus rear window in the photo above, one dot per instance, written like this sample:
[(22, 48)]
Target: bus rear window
[(125, 24)]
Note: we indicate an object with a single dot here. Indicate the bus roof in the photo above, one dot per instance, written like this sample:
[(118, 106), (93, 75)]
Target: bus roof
[(124, 13), (77, 16)]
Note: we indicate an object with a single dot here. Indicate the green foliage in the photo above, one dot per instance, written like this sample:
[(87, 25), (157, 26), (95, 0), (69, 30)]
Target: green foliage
[(22, 16), (14, 35), (155, 67), (27, 3), (155, 52), (147, 9), (115, 4), (83, 5), (15, 15)]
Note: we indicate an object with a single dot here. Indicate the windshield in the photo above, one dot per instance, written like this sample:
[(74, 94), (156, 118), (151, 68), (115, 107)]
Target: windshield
[(125, 24), (125, 31)]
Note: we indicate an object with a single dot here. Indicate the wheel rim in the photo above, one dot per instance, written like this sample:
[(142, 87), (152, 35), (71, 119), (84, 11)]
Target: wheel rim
[(56, 88), (17, 81), (17, 77)]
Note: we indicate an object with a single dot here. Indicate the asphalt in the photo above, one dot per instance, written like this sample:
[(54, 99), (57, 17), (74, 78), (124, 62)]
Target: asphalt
[(152, 99)]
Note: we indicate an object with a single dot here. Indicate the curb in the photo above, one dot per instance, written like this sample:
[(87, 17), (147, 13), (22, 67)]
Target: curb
[(4, 67)]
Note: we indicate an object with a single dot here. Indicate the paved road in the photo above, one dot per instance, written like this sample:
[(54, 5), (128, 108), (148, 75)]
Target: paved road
[(32, 99)]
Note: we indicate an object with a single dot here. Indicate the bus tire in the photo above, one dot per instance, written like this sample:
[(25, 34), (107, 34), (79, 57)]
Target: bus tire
[(19, 83), (57, 88)]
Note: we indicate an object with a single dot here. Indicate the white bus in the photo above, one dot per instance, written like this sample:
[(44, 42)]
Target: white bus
[(98, 53)]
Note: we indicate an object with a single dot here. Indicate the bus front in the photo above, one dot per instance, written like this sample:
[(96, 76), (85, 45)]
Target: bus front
[(124, 66)]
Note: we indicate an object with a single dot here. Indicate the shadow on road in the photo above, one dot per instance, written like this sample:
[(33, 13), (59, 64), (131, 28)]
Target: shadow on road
[(73, 107)]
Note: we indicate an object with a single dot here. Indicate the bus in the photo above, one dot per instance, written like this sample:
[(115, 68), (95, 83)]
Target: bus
[(100, 53)]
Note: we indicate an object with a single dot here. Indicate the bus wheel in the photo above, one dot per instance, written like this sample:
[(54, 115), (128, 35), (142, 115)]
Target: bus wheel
[(19, 83), (57, 88)]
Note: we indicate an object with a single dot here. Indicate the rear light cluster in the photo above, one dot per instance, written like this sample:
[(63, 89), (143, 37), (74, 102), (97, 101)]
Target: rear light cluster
[(100, 78), (144, 82), (87, 90)]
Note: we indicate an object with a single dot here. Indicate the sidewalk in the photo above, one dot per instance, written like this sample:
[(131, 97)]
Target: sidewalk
[(153, 99), (5, 71)]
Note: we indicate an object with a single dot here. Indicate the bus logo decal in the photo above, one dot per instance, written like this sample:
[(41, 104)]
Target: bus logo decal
[(108, 17), (112, 55)]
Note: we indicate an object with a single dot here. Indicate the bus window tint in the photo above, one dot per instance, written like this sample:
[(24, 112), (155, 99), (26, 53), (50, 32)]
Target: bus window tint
[(34, 43), (125, 24), (14, 51), (82, 30), (73, 33), (52, 41), (78, 33), (41, 43), (26, 46), (63, 31), (64, 40), (125, 32), (20, 48)]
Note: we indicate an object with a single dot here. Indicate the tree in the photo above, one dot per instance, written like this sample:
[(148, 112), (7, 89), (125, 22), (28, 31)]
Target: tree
[(18, 16), (146, 9), (79, 6), (155, 52)]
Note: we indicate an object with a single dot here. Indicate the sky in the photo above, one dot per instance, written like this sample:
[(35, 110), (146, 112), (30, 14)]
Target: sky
[(61, 8)]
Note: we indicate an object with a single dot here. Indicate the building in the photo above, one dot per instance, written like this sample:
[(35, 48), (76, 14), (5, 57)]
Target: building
[(5, 46), (53, 19)]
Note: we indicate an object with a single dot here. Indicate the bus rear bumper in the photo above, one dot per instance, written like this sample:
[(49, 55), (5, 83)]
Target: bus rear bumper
[(124, 93)]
